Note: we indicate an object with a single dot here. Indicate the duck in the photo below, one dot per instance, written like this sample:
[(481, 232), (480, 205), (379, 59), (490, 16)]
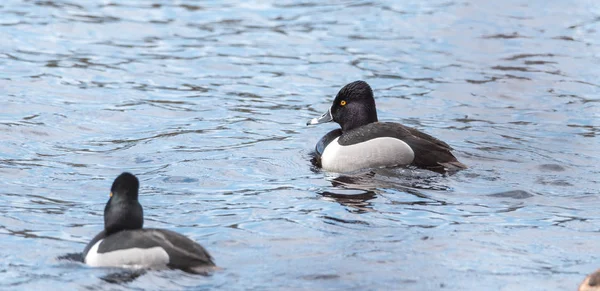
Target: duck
[(125, 243), (364, 142), (591, 282)]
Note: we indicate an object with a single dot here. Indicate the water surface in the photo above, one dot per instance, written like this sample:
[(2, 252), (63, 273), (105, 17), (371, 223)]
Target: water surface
[(207, 103)]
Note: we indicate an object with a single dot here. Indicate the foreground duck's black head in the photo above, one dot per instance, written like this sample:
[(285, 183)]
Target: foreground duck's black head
[(123, 210), (353, 106)]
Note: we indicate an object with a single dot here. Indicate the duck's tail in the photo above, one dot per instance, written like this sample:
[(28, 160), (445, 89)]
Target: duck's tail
[(454, 165)]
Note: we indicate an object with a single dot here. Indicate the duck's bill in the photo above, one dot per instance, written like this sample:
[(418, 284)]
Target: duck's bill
[(326, 117)]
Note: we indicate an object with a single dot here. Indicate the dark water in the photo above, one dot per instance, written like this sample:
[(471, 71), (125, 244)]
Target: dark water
[(207, 102)]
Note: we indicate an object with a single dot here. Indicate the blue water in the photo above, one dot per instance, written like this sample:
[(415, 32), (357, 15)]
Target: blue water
[(207, 103)]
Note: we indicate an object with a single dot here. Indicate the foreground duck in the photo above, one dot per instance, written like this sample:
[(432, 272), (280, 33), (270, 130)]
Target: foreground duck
[(124, 243), (363, 142)]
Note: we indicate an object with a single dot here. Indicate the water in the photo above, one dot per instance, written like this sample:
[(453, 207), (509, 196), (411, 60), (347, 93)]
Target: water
[(207, 102)]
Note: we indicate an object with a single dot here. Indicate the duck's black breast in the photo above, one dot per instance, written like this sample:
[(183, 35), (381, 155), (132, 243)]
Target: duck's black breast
[(98, 237), (429, 152), (326, 140)]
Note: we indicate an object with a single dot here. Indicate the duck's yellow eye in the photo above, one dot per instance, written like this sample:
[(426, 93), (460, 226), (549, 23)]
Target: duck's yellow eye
[(110, 195), (343, 102)]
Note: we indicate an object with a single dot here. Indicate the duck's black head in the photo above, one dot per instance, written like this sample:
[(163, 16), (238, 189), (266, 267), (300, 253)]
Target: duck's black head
[(123, 211), (353, 106)]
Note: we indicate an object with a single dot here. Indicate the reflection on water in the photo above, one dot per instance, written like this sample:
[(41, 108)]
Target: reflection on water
[(354, 191), (123, 276), (206, 103)]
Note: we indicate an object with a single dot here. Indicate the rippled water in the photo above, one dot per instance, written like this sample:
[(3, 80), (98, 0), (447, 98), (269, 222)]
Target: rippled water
[(207, 102)]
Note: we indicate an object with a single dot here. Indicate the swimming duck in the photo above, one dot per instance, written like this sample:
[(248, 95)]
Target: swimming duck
[(124, 243), (364, 142)]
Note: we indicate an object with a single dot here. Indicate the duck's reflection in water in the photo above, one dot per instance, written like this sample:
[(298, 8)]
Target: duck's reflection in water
[(353, 192), (357, 201), (357, 190)]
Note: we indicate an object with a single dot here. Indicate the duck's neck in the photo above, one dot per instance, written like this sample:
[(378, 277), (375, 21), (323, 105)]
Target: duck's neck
[(123, 215), (357, 120)]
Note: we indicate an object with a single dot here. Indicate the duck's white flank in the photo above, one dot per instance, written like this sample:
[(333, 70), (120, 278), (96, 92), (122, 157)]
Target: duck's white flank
[(137, 257), (377, 152)]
